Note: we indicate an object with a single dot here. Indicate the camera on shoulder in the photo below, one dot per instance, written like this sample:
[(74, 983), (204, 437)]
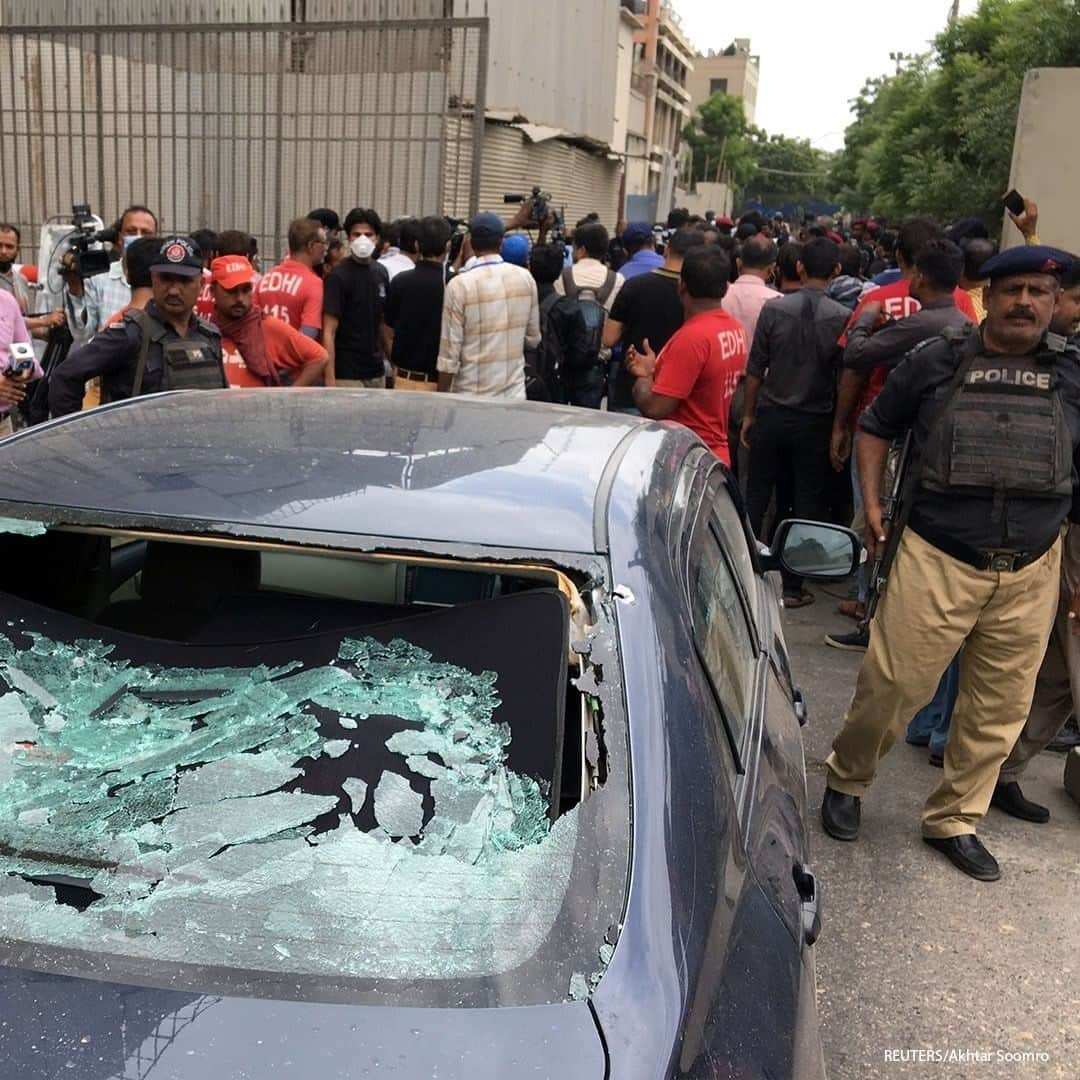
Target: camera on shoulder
[(87, 244)]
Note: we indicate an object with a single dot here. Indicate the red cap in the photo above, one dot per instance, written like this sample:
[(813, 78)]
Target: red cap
[(229, 271)]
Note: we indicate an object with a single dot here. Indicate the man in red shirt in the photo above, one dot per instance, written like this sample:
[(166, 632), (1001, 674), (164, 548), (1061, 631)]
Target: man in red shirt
[(292, 291), (258, 349), (693, 379), (857, 389)]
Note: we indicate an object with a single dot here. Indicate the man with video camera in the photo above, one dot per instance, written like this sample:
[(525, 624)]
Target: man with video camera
[(89, 302), (162, 347)]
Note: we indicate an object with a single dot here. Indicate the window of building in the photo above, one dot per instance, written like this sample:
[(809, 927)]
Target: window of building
[(717, 86)]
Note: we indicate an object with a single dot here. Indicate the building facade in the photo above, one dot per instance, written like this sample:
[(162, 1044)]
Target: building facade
[(662, 68), (734, 71)]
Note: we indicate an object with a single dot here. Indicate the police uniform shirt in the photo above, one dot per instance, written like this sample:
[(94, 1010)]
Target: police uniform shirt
[(911, 398), (113, 356)]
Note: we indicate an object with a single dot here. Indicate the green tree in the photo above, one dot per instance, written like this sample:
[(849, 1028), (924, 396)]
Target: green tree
[(722, 145), (937, 137), (719, 141), (788, 170)]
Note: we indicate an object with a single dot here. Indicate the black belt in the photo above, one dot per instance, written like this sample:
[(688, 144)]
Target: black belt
[(414, 376), (999, 560)]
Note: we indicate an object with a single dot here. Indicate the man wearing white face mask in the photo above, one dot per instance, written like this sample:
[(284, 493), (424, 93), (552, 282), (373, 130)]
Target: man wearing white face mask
[(353, 301)]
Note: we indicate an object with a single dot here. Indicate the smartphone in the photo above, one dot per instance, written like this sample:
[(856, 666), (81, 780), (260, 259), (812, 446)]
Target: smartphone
[(1014, 202)]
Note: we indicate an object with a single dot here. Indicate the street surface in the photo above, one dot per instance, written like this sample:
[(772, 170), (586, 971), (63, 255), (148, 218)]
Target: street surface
[(915, 955)]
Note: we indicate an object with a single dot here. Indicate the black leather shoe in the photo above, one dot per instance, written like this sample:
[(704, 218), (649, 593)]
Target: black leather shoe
[(967, 853), (840, 814), (1010, 798)]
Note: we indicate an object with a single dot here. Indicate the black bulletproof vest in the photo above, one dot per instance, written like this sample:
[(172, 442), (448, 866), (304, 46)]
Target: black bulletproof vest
[(189, 363), (1002, 431)]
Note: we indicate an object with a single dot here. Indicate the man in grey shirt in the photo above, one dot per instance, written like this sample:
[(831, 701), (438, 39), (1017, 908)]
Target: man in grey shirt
[(793, 368), (937, 272)]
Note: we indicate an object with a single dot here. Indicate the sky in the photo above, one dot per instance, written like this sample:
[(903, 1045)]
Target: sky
[(815, 54)]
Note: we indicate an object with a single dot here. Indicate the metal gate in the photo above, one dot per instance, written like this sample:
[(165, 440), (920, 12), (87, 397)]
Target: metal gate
[(241, 126)]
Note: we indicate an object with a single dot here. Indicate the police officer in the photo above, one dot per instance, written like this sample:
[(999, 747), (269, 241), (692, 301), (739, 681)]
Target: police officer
[(163, 347), (995, 417)]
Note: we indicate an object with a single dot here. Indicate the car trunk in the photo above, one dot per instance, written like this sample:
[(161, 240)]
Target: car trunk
[(60, 1026)]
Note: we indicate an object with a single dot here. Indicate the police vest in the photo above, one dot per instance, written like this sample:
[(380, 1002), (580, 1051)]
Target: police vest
[(189, 363), (1002, 430)]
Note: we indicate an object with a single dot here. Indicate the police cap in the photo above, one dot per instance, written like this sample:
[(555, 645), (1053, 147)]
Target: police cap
[(1026, 259), (178, 255)]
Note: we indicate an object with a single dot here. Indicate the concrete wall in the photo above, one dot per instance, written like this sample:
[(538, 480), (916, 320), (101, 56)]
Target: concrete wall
[(553, 62), (1046, 156), (624, 71), (706, 196)]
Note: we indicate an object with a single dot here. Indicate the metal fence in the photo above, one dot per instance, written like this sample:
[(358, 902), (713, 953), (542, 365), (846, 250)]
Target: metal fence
[(241, 126)]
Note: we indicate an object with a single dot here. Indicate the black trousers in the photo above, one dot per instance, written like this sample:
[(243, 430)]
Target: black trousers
[(789, 443)]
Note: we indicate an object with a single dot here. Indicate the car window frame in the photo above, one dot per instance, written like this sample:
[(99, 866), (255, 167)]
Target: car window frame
[(740, 748)]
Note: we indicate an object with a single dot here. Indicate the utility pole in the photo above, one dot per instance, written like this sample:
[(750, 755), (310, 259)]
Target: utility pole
[(954, 12)]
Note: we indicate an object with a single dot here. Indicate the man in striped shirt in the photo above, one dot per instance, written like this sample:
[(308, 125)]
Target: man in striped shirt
[(491, 314)]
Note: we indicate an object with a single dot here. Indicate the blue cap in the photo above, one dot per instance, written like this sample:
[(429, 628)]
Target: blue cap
[(637, 230), (515, 249), (487, 226), (1026, 259)]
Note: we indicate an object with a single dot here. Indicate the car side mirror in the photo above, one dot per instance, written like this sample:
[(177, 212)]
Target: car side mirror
[(814, 550)]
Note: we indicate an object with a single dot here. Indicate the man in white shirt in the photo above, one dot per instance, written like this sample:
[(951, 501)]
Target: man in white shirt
[(402, 239), (595, 286), (90, 303), (491, 314)]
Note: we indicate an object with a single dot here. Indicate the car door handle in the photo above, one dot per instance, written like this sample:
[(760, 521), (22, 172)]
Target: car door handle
[(810, 902), (801, 713)]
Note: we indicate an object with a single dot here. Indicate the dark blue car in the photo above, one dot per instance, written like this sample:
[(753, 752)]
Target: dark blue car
[(352, 734)]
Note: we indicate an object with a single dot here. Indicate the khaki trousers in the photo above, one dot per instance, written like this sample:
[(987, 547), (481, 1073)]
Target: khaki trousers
[(401, 383), (1058, 684), (934, 603)]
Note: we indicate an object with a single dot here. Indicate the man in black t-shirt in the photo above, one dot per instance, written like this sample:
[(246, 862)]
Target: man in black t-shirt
[(414, 311), (353, 300), (648, 308)]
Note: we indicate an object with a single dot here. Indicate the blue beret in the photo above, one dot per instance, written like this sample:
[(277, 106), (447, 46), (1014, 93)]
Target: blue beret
[(1026, 259), (637, 230)]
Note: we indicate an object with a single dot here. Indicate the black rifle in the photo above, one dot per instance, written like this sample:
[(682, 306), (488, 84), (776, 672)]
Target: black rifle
[(894, 514)]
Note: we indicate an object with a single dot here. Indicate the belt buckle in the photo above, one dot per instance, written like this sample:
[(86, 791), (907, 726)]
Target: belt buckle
[(1002, 562)]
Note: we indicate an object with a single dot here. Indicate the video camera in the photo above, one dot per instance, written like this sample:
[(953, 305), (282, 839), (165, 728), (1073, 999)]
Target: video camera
[(87, 243), (540, 209)]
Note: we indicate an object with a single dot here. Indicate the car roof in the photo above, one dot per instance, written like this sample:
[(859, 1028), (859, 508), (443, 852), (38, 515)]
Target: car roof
[(417, 466)]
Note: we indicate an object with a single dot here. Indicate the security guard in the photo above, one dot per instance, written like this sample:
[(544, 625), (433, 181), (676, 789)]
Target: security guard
[(995, 416), (163, 347)]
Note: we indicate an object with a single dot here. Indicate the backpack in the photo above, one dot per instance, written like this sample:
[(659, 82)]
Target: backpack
[(544, 364), (591, 304)]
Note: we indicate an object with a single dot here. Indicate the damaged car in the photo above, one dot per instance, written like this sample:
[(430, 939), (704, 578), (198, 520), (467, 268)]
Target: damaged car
[(349, 733)]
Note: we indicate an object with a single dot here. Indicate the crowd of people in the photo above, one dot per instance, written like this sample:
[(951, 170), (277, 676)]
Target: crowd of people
[(800, 353)]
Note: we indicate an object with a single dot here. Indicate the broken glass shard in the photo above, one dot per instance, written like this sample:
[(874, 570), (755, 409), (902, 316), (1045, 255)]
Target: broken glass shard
[(357, 791), (398, 809), (22, 527)]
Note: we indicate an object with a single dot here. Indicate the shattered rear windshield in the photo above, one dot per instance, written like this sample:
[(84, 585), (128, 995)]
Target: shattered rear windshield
[(382, 804)]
